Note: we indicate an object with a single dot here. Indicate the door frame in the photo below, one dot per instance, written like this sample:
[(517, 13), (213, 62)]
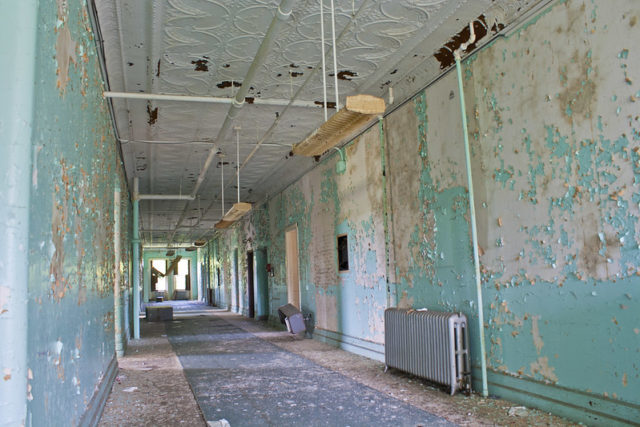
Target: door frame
[(251, 312), (292, 265)]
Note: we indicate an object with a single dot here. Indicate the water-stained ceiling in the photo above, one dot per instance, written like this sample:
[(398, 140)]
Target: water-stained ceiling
[(206, 48)]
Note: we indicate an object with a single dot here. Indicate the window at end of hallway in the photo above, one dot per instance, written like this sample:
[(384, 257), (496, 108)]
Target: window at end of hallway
[(343, 253)]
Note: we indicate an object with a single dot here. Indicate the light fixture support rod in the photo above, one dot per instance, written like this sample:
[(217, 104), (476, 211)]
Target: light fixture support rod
[(238, 161), (335, 56), (222, 173), (324, 65)]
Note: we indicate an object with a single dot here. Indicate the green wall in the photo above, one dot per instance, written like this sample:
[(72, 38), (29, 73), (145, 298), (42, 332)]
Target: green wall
[(554, 132), (71, 241)]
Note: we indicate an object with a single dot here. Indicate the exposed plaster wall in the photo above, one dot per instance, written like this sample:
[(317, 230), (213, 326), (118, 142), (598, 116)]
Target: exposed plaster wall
[(75, 170), (554, 138)]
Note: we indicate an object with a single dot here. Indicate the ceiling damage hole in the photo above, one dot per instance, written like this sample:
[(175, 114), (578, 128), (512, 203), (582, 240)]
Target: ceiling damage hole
[(249, 99), (226, 65), (293, 66), (330, 104), (227, 83), (201, 64), (295, 73), (394, 71), (445, 54), (130, 64), (158, 72), (153, 114)]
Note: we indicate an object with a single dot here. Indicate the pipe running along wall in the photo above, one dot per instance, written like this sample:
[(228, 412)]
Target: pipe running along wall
[(136, 259), (472, 210), (16, 117), (117, 295)]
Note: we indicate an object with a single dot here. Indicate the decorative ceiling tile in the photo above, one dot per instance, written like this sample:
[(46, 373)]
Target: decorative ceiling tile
[(206, 47)]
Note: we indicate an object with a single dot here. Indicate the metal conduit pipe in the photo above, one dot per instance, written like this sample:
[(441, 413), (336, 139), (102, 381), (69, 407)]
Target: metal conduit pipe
[(16, 123), (310, 75), (164, 197), (136, 259), (282, 14), (205, 99), (117, 259), (472, 211)]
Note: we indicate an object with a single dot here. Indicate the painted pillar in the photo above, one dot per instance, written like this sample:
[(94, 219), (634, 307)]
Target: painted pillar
[(146, 278), (18, 36), (136, 260), (117, 295)]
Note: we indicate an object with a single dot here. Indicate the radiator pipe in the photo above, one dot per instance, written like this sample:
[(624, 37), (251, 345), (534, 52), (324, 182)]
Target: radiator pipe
[(117, 259), (136, 259), (392, 295), (472, 210)]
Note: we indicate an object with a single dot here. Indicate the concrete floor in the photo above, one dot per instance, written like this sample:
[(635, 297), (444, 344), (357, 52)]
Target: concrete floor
[(213, 365)]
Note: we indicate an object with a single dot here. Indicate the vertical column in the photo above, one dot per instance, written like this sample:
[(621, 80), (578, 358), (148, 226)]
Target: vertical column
[(18, 50), (117, 294), (136, 259)]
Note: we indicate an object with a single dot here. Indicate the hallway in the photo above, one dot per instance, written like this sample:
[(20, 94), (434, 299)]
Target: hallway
[(476, 160), (248, 373)]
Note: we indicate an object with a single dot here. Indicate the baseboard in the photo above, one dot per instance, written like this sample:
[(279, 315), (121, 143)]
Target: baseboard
[(589, 408), (92, 414), (355, 345)]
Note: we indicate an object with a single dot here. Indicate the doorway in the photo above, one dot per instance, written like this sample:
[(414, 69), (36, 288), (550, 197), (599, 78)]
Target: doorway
[(236, 282), (250, 291), (262, 284), (293, 274)]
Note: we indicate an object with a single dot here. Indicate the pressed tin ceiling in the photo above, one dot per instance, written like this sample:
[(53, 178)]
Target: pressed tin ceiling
[(205, 48)]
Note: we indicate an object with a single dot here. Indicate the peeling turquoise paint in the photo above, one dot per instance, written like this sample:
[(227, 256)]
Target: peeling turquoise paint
[(71, 254), (558, 168)]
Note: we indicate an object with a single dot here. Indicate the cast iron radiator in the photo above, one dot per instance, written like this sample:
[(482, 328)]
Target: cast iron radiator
[(430, 344)]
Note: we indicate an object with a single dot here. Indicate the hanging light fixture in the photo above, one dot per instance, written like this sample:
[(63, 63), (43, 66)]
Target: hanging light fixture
[(239, 209), (358, 113), (347, 122)]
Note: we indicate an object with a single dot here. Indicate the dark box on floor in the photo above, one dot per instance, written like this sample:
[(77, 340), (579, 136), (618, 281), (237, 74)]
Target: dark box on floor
[(159, 313)]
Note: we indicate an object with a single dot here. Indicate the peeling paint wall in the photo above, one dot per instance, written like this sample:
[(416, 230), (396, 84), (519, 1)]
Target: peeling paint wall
[(555, 138), (71, 253), (555, 141)]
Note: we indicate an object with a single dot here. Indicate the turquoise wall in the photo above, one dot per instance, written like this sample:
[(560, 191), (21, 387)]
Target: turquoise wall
[(554, 135), (71, 256)]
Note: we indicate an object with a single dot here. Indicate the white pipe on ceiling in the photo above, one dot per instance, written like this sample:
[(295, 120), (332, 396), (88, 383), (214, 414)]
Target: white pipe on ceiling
[(335, 55), (324, 68), (283, 13), (206, 99), (273, 126), (165, 197), (222, 180)]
